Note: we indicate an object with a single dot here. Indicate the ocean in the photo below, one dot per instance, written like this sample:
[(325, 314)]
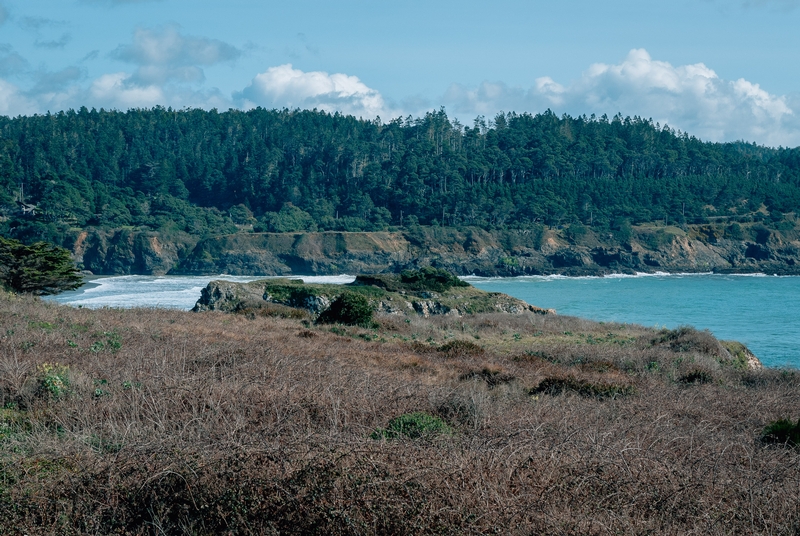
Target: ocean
[(757, 310)]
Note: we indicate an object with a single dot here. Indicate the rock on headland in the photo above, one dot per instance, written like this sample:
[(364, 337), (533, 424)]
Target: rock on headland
[(386, 293)]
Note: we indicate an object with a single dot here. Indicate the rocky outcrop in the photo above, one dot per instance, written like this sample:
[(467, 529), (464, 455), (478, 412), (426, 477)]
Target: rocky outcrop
[(229, 297), (233, 297)]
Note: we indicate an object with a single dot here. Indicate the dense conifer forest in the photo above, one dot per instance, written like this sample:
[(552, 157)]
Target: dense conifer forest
[(205, 172)]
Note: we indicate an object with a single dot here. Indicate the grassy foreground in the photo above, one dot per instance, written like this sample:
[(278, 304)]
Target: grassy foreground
[(165, 422)]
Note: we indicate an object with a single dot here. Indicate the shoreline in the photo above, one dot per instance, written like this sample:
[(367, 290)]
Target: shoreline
[(551, 292)]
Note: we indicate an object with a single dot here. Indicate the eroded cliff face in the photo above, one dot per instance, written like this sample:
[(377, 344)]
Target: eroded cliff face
[(462, 252), (122, 252)]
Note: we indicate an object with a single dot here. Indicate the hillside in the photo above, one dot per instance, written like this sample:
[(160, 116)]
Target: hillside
[(119, 421), (196, 174)]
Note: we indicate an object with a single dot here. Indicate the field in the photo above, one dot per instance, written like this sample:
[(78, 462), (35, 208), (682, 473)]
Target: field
[(152, 421)]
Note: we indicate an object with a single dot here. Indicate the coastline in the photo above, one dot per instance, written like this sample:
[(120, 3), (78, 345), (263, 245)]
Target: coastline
[(757, 319)]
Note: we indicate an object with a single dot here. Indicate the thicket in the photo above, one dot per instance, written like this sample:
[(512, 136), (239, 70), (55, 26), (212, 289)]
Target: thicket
[(289, 170), (348, 308), (426, 278)]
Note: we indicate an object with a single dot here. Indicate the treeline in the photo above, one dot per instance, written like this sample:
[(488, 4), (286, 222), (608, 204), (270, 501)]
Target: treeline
[(205, 172)]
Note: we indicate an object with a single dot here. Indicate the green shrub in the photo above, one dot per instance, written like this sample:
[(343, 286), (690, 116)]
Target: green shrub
[(688, 339), (697, 376), (413, 425), (555, 386), (424, 279), (349, 308), (782, 432), (429, 278), (53, 379)]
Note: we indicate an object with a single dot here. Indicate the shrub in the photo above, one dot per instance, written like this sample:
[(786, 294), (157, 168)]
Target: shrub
[(53, 379), (493, 378), (696, 376), (688, 339), (460, 348), (429, 278), (466, 405), (586, 388), (782, 432), (413, 425), (349, 308)]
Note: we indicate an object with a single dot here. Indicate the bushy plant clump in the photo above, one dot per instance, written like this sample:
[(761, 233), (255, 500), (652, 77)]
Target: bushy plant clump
[(414, 426), (583, 387), (782, 431), (348, 308), (53, 379), (429, 278), (425, 279)]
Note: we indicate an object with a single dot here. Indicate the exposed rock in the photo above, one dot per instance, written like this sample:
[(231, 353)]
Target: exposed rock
[(474, 251), (228, 296)]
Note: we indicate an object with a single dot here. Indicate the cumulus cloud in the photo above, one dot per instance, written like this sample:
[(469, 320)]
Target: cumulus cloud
[(116, 91), (285, 86), (163, 54), (13, 102), (692, 98)]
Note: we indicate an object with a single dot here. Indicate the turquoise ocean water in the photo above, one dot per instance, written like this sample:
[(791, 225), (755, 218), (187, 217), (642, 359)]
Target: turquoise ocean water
[(757, 310), (760, 311)]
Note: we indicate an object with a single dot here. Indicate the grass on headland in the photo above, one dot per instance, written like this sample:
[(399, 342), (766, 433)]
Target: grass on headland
[(213, 423)]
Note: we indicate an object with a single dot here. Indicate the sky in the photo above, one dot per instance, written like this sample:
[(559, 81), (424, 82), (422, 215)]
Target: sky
[(721, 70)]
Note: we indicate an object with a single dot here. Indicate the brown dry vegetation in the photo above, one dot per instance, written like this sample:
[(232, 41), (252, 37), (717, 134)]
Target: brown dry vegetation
[(207, 423)]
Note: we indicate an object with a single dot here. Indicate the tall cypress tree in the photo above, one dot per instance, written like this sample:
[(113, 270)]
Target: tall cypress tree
[(40, 268)]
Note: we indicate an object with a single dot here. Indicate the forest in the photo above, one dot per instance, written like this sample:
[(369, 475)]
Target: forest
[(209, 172)]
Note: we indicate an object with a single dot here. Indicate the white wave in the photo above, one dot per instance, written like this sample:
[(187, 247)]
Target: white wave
[(165, 291), (559, 277)]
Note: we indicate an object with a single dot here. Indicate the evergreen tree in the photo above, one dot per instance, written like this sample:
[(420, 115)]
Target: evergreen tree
[(40, 268)]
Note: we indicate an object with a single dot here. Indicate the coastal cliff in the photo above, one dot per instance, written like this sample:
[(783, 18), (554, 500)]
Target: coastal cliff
[(461, 251)]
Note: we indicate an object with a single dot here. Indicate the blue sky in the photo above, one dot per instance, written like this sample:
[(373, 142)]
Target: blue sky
[(719, 69)]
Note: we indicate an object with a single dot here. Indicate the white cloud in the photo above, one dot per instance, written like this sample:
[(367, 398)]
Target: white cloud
[(285, 86), (692, 98), (13, 102), (165, 55), (114, 91)]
